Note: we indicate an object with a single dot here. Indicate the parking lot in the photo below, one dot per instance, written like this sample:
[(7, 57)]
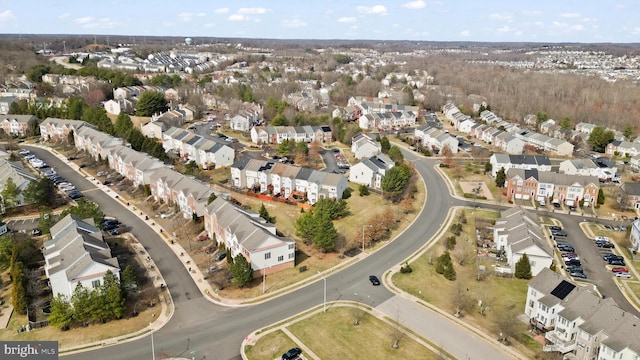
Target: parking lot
[(591, 259)]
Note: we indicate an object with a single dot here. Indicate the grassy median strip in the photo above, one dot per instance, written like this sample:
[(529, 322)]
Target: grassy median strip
[(270, 346)]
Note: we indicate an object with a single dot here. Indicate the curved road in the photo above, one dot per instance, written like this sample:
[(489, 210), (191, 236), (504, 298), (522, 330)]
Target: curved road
[(206, 331)]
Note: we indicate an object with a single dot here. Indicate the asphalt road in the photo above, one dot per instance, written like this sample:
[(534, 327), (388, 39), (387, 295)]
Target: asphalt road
[(216, 332), (203, 330)]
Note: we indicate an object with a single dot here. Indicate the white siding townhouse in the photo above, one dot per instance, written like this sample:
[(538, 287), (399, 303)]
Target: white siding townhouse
[(16, 124), (246, 234), (208, 153), (55, 129), (517, 233), (77, 254), (277, 134), (288, 181), (370, 171), (634, 235), (603, 168), (436, 139), (526, 162), (623, 148), (546, 143), (363, 146), (20, 177), (578, 323)]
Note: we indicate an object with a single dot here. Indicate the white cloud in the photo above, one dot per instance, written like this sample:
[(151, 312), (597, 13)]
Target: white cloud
[(238, 17), (83, 20), (501, 17), (201, 14), (221, 11), (589, 20), (577, 27), (252, 11), (504, 29), (465, 33), (532, 13), (354, 27), (6, 15), (295, 23), (417, 4), (373, 10), (329, 12), (635, 31), (569, 15), (518, 33), (347, 19), (208, 25), (102, 23), (185, 16), (66, 15)]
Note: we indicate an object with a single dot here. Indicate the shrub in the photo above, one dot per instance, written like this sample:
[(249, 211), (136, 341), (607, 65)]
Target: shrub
[(406, 268), (363, 190), (450, 242)]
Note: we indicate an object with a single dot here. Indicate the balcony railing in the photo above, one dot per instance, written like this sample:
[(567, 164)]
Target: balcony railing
[(559, 344)]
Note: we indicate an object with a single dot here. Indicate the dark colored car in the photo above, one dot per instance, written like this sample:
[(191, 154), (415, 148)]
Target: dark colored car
[(573, 262), (374, 280), (566, 247), (75, 194), (619, 262), (554, 228), (220, 256), (557, 205), (611, 256), (572, 208), (575, 268), (605, 244), (559, 233), (292, 354), (578, 274)]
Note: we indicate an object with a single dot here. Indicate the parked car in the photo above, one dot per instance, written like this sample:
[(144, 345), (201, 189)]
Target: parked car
[(606, 245), (618, 269), (578, 274), (36, 232), (559, 233), (625, 275), (221, 255), (575, 268), (554, 228), (610, 256), (575, 262), (566, 247), (601, 238), (557, 205), (616, 262), (374, 280), (292, 354), (572, 208), (75, 194), (24, 152)]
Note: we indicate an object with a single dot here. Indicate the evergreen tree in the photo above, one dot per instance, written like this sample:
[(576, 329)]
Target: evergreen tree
[(10, 193), (61, 312), (395, 180), (114, 302), (501, 177), (600, 138), (385, 144), (151, 102), (211, 198), (81, 301), (129, 278), (601, 197), (123, 125), (488, 167), (18, 291), (326, 234), (523, 268), (264, 213), (241, 270), (85, 209), (395, 154)]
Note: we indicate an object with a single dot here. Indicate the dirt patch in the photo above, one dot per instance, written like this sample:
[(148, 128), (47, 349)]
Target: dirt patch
[(477, 188)]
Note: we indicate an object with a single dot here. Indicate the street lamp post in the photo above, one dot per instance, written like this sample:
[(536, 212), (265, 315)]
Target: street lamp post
[(324, 299)]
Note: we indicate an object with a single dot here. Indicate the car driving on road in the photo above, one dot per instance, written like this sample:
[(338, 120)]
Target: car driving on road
[(374, 280)]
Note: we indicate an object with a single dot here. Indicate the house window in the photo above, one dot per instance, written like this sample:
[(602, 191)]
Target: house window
[(267, 256), (292, 255), (291, 246), (95, 284), (280, 258)]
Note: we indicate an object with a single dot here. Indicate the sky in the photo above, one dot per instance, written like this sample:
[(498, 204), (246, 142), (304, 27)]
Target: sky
[(586, 21)]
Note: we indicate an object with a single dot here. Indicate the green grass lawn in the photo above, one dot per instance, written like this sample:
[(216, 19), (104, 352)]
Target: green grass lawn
[(270, 346), (332, 335), (500, 294)]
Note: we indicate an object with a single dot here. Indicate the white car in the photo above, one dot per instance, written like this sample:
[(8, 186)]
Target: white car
[(625, 275), (24, 152), (602, 238)]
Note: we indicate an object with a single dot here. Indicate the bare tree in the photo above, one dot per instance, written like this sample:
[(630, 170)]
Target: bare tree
[(397, 331), (506, 324), (460, 299), (463, 253), (358, 313)]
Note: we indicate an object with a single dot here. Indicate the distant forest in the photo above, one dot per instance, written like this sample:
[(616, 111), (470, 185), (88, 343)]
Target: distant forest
[(511, 93)]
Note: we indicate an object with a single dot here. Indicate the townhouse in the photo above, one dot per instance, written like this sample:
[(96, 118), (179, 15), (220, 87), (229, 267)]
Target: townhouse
[(245, 233), (363, 146), (208, 153), (517, 232), (116, 106), (286, 181), (629, 195), (602, 168), (577, 322), (559, 188), (635, 162), (387, 120), (509, 143), (527, 162), (166, 184), (55, 129), (634, 236), (155, 128), (370, 171), (277, 134), (17, 125), (436, 139), (623, 148), (249, 116), (19, 176), (543, 142), (77, 254)]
